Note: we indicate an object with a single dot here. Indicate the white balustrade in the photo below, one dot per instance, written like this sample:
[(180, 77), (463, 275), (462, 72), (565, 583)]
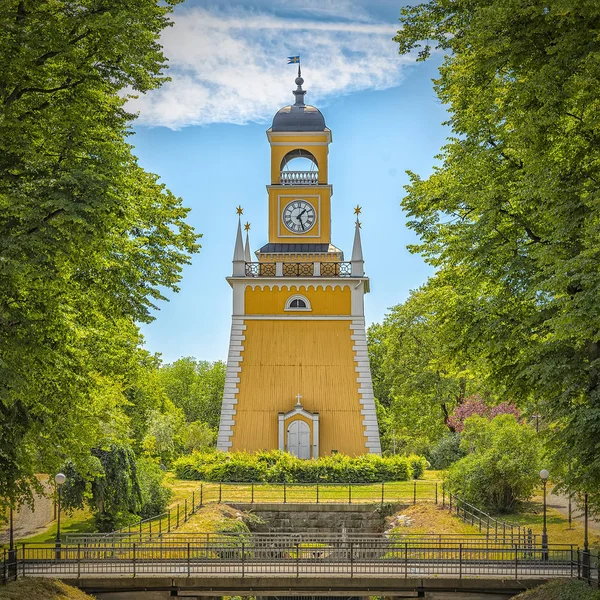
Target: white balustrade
[(299, 178)]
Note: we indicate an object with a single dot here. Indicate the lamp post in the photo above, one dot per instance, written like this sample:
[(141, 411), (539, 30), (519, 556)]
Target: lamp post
[(586, 548), (59, 479), (544, 477), (12, 553)]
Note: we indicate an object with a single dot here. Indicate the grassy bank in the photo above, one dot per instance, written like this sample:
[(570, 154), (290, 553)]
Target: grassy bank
[(41, 589), (561, 590)]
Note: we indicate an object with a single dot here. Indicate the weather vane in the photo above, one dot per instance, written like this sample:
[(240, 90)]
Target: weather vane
[(239, 210)]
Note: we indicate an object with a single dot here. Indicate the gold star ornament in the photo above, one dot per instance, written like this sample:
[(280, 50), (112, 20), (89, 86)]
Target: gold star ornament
[(247, 226), (358, 223), (357, 210), (239, 210)]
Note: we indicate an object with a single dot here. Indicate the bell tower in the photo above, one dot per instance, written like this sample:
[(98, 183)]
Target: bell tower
[(298, 375)]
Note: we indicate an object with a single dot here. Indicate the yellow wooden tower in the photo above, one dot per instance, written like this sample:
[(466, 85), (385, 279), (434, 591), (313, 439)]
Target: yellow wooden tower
[(298, 374)]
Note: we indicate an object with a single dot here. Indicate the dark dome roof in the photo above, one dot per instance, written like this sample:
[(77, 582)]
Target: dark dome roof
[(299, 118)]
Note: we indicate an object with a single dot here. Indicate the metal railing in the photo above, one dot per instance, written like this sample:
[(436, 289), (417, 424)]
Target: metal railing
[(414, 540), (299, 269), (299, 178), (284, 557), (487, 524), (408, 492)]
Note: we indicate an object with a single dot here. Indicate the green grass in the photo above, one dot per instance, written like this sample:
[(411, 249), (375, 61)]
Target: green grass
[(561, 590), (531, 516), (402, 491), (41, 589)]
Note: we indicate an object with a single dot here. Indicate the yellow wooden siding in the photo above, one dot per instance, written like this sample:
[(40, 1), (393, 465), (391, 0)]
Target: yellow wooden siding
[(269, 301), (284, 358)]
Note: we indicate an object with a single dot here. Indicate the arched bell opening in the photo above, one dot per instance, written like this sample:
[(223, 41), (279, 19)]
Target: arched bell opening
[(299, 167)]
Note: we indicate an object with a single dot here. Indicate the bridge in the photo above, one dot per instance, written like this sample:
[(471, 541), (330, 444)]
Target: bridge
[(279, 565)]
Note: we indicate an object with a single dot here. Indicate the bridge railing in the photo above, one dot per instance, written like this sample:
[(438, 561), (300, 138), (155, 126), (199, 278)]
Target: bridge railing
[(370, 559), (269, 539)]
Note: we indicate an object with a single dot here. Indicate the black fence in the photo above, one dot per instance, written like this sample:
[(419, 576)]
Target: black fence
[(409, 492), (279, 556)]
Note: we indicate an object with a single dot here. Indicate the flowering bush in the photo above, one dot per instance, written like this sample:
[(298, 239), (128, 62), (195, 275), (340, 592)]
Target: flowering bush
[(476, 406)]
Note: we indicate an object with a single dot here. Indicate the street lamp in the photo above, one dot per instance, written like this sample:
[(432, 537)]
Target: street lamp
[(12, 553), (59, 479), (586, 548), (544, 477)]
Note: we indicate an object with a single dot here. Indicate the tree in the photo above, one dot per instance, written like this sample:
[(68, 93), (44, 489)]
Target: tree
[(196, 386), (89, 241), (476, 406), (510, 217), (162, 435), (197, 436), (414, 370), (502, 464), (110, 486)]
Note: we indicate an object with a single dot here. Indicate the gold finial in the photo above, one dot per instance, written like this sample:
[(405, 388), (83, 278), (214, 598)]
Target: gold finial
[(357, 210), (247, 226), (239, 210), (358, 223)]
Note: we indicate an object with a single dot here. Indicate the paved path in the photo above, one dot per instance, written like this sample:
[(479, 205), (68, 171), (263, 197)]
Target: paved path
[(29, 522), (560, 502)]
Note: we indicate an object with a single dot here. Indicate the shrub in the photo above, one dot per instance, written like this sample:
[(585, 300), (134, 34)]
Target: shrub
[(155, 496), (279, 467), (418, 464), (476, 406), (197, 436), (446, 451), (502, 464)]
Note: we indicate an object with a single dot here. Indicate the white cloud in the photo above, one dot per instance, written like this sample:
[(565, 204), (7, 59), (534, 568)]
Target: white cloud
[(230, 67)]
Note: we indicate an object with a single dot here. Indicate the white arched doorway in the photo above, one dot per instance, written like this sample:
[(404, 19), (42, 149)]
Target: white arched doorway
[(298, 439)]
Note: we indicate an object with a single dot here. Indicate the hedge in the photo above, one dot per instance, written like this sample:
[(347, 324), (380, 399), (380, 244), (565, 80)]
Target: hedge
[(279, 467)]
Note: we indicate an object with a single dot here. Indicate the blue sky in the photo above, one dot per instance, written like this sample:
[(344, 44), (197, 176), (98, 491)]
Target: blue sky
[(204, 134)]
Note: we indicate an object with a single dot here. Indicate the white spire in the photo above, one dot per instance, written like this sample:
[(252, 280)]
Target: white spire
[(239, 262), (358, 269), (247, 254)]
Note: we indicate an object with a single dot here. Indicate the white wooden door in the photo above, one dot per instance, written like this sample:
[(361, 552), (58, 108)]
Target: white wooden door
[(298, 437)]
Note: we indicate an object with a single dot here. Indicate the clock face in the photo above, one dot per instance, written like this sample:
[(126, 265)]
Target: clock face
[(299, 216)]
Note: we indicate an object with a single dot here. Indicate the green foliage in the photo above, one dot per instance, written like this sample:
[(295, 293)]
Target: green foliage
[(502, 464), (415, 372), (561, 590), (446, 451), (161, 440), (154, 495), (196, 387), (510, 217), (197, 436), (418, 464), (109, 485), (89, 241), (279, 467), (116, 487)]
